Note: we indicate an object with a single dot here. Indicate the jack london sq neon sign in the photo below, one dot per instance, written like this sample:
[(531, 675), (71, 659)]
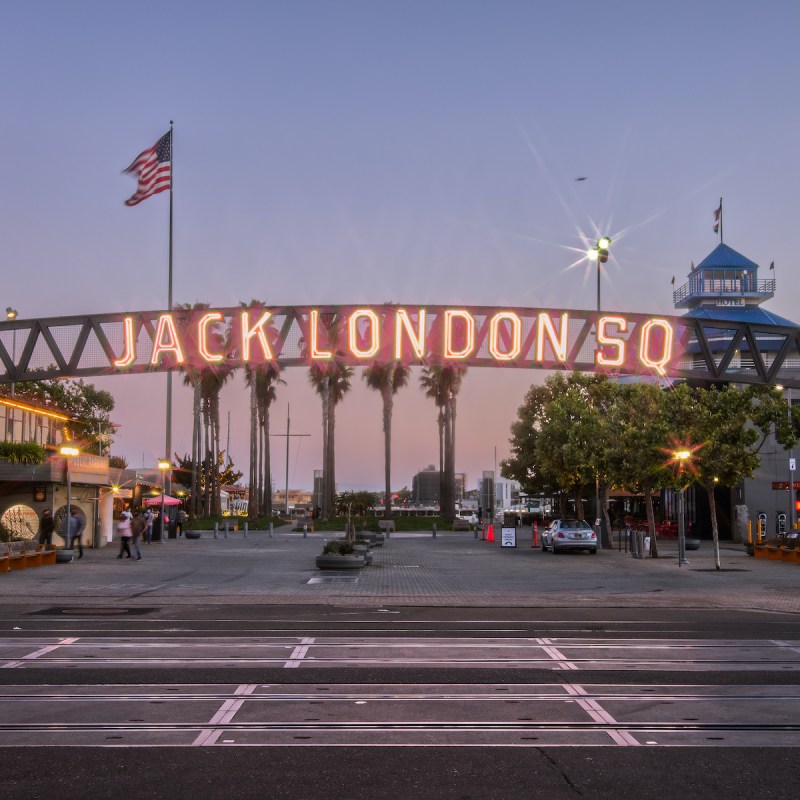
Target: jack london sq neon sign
[(476, 336)]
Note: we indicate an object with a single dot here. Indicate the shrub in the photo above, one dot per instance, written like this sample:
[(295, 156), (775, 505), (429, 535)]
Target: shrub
[(22, 452), (338, 547)]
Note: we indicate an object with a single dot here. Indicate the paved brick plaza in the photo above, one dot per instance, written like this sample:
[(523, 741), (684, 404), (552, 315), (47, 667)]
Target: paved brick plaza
[(454, 569)]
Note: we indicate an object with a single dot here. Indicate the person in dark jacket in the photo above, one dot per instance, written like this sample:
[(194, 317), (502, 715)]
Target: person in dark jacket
[(46, 527)]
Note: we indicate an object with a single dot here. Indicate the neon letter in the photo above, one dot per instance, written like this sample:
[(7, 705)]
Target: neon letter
[(603, 338), (202, 337), (666, 345), (313, 326), (129, 353), (469, 338), (366, 313), (557, 340), (416, 340), (258, 331), (166, 325), (494, 336)]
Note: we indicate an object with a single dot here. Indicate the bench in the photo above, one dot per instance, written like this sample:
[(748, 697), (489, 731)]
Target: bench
[(461, 524), (32, 551), (16, 558)]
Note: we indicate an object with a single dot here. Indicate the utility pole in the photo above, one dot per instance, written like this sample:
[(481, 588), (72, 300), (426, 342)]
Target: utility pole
[(288, 436)]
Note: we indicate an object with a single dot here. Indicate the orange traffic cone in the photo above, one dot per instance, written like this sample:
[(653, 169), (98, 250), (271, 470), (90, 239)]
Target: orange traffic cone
[(490, 533), (535, 534)]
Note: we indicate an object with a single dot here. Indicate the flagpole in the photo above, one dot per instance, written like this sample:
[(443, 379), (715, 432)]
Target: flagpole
[(168, 454), (721, 240)]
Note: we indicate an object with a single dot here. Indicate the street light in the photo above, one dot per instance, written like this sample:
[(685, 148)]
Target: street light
[(69, 453), (600, 254), (792, 495), (682, 457), (163, 466), (12, 313)]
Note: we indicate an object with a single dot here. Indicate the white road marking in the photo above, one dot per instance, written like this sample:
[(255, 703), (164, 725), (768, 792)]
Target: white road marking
[(40, 652), (299, 653)]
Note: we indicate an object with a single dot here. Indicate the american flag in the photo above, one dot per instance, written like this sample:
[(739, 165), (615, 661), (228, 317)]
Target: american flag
[(717, 216), (153, 168)]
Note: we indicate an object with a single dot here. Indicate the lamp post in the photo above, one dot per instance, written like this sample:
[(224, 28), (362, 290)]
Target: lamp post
[(600, 255), (68, 453), (163, 466), (792, 463), (682, 457), (12, 313)]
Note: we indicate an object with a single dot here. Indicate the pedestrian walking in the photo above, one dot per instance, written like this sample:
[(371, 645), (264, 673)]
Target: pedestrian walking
[(138, 527), (75, 525), (179, 520), (125, 532), (46, 527), (148, 533)]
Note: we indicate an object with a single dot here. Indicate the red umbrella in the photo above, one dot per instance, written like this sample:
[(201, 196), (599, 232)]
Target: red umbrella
[(168, 501)]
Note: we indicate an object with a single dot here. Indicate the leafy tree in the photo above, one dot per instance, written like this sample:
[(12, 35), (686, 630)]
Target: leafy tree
[(22, 452), (356, 504), (118, 462), (225, 474), (89, 406)]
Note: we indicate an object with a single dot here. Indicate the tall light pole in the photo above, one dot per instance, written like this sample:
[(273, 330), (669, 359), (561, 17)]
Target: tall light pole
[(163, 466), (682, 457), (600, 254), (68, 453), (12, 313), (792, 464)]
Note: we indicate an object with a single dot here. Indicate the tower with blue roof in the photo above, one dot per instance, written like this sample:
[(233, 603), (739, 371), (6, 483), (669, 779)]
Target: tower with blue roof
[(726, 286)]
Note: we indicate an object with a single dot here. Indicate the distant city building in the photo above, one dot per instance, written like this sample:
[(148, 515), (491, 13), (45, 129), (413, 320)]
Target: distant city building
[(425, 486)]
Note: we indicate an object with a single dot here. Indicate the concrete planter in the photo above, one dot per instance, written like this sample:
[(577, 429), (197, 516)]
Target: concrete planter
[(192, 534), (692, 544), (64, 556), (340, 562)]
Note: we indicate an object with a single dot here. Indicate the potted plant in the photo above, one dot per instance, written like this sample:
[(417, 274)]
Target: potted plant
[(340, 554)]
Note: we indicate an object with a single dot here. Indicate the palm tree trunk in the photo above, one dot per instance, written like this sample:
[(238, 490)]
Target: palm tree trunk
[(206, 460), (651, 521), (217, 499), (387, 447), (267, 467), (331, 455), (447, 509), (452, 476), (326, 508), (195, 504), (252, 490), (441, 456)]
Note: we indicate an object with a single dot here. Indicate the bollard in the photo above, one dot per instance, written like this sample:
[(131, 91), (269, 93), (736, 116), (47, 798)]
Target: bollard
[(475, 529), (270, 530), (245, 529), (226, 529), (216, 526), (535, 542), (305, 531), (434, 530)]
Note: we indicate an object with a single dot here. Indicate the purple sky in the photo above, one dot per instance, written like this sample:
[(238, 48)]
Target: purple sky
[(419, 152)]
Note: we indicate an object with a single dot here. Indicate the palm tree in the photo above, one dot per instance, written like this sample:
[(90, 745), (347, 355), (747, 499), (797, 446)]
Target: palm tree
[(388, 379), (442, 384), (332, 382), (262, 379)]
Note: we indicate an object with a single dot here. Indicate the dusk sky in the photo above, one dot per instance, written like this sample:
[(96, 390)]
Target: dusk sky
[(369, 152)]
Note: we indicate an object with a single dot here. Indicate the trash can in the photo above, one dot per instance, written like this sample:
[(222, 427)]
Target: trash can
[(172, 527), (157, 527)]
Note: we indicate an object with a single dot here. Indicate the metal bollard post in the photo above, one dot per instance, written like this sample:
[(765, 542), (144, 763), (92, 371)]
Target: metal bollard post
[(305, 531), (434, 530), (475, 532), (245, 529), (216, 527), (270, 530), (226, 529)]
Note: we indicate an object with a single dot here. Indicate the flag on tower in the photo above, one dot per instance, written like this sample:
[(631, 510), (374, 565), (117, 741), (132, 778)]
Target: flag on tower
[(153, 168), (772, 265), (673, 280), (717, 217)]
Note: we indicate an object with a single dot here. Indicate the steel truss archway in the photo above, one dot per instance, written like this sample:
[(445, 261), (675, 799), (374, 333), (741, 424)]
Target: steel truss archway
[(481, 336)]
